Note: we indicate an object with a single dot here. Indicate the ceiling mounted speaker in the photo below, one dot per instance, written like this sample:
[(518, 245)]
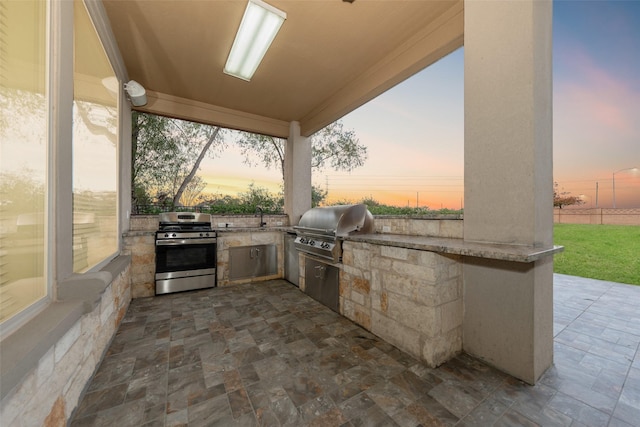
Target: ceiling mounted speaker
[(137, 94)]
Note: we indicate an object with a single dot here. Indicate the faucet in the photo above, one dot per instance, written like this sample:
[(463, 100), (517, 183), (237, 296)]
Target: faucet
[(259, 209)]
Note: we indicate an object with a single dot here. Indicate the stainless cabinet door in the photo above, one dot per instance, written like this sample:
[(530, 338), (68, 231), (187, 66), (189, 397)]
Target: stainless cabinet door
[(291, 266), (323, 283), (252, 261)]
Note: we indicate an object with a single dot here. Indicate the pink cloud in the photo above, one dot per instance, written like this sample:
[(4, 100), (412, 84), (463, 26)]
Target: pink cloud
[(591, 95)]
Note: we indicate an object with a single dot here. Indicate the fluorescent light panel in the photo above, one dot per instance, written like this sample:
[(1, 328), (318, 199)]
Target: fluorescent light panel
[(258, 28)]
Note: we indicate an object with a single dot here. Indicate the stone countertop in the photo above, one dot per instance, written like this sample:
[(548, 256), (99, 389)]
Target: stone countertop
[(134, 233), (251, 229), (514, 253)]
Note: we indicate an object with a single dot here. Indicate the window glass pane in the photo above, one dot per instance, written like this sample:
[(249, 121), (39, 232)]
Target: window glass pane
[(23, 155), (95, 143)]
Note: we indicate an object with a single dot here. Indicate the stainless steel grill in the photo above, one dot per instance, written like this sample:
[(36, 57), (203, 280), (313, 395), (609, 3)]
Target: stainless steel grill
[(320, 229)]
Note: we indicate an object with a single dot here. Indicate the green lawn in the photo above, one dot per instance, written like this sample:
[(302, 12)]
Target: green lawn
[(606, 252)]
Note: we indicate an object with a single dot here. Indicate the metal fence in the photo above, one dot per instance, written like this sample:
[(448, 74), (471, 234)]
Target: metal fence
[(155, 209)]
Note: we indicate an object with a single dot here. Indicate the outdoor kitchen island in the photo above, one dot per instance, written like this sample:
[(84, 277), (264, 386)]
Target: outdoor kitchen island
[(403, 282), (409, 289)]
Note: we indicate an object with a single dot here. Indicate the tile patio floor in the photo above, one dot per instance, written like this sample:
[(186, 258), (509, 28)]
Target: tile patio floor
[(266, 354)]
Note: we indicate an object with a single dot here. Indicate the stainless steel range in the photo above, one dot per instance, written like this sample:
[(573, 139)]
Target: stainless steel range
[(319, 235), (185, 252)]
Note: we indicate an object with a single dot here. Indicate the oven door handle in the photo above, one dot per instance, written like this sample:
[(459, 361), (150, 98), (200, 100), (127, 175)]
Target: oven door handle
[(183, 242)]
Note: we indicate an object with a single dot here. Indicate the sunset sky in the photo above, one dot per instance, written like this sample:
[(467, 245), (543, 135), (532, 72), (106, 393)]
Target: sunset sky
[(415, 132)]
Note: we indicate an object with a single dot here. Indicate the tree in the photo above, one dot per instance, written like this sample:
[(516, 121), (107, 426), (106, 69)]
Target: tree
[(247, 202), (193, 190), (260, 197), (333, 146), (338, 147), (196, 165), (564, 198), (318, 195), (244, 202), (166, 155)]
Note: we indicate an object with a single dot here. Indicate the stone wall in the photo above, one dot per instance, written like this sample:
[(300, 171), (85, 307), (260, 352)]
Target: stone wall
[(50, 393), (139, 242), (141, 246), (150, 222), (410, 298), (143, 223), (597, 216), (449, 226), (237, 221)]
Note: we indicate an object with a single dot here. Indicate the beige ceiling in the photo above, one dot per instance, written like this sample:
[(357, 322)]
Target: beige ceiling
[(329, 58)]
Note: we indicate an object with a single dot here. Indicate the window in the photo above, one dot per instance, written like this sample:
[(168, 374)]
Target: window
[(95, 145), (28, 127), (23, 155)]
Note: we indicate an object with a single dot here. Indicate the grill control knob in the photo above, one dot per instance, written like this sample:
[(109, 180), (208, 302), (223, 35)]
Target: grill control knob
[(173, 235), (166, 234), (312, 243), (201, 235)]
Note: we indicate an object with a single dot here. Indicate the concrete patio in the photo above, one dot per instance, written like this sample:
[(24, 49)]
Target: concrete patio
[(267, 354)]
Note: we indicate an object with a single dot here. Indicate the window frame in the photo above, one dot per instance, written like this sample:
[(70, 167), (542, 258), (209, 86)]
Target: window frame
[(59, 186), (81, 5)]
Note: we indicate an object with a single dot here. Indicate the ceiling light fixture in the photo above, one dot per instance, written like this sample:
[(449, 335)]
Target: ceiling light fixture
[(258, 28)]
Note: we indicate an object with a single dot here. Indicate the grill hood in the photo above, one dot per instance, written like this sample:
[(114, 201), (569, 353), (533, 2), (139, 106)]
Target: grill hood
[(337, 221), (320, 228)]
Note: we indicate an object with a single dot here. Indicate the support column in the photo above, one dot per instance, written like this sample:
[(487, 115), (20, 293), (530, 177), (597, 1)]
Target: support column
[(297, 174), (508, 318)]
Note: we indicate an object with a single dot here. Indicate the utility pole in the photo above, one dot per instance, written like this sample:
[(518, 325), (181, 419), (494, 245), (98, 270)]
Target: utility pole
[(614, 182)]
